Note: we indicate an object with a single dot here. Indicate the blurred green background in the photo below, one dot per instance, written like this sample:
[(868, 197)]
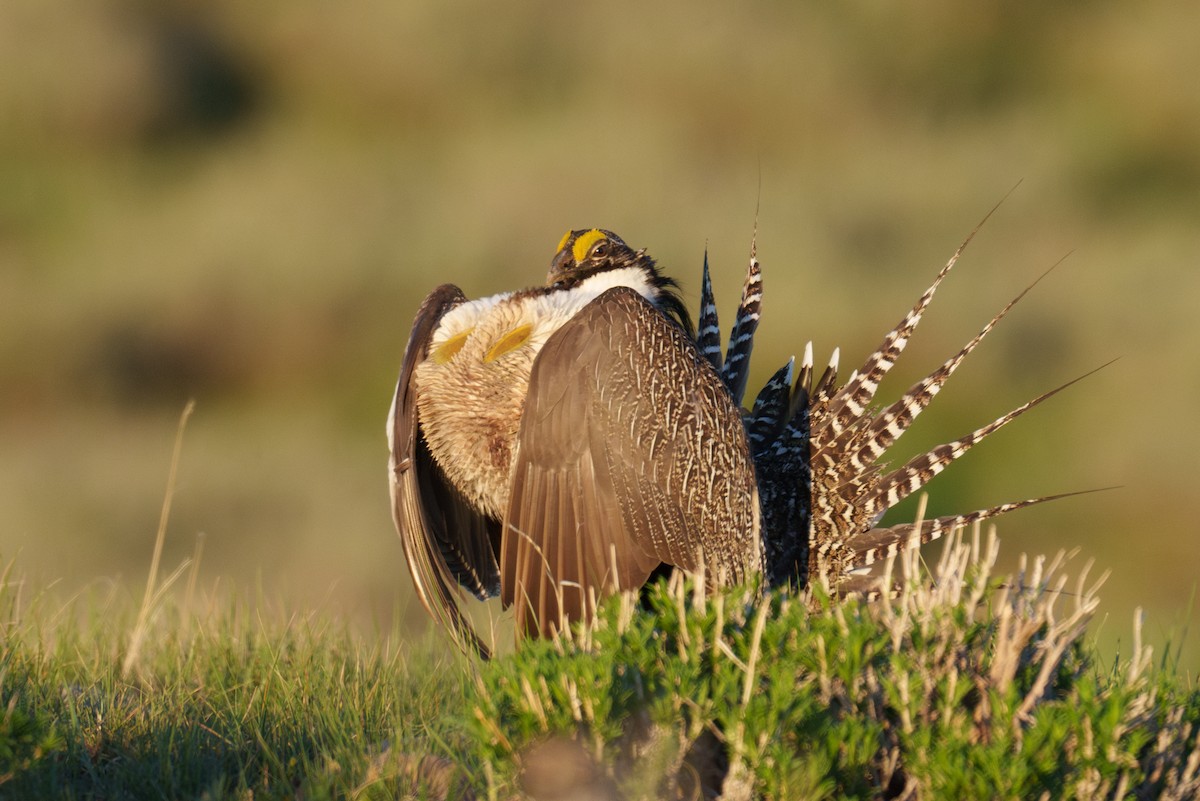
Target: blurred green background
[(244, 203)]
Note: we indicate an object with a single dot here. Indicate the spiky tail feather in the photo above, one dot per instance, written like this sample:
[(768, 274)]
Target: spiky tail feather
[(879, 544), (851, 400), (736, 371), (771, 410), (708, 329), (889, 425), (918, 471)]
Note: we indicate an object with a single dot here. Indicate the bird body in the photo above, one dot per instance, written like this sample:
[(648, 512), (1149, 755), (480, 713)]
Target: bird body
[(560, 443), (557, 444)]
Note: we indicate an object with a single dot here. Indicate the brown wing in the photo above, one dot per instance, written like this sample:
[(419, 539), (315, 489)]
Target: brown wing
[(630, 454), (446, 542)]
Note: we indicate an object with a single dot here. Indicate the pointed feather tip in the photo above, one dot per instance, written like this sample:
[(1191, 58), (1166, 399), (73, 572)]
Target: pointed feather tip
[(754, 232), (835, 359), (807, 361)]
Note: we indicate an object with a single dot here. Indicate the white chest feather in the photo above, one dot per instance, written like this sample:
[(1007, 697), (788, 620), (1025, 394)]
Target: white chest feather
[(473, 384), (496, 315)]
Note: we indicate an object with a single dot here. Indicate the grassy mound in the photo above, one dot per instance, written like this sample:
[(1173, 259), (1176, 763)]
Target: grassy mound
[(961, 686)]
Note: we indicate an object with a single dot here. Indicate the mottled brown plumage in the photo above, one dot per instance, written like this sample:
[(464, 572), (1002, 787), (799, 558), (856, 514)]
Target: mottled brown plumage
[(625, 428)]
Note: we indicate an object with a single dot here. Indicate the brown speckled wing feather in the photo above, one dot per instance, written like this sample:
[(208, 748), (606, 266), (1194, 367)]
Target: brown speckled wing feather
[(619, 467), (446, 543)]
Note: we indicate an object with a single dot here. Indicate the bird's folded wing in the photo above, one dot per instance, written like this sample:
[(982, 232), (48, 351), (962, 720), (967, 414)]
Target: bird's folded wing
[(446, 543), (630, 454)]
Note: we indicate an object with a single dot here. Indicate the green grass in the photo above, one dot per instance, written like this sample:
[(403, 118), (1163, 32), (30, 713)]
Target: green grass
[(224, 704), (963, 686)]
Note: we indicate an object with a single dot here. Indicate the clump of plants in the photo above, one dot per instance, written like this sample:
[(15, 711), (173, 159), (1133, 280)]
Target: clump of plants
[(957, 685)]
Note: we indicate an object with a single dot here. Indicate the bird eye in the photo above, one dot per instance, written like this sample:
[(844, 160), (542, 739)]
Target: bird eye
[(599, 250)]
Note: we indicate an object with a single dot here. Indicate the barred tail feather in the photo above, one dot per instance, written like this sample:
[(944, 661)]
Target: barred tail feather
[(771, 409), (792, 442), (804, 380), (802, 389), (918, 471), (879, 544), (828, 380), (890, 424), (852, 400), (741, 338), (708, 330)]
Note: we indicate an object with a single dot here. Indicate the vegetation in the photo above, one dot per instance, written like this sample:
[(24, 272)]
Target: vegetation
[(957, 688), (961, 686), (225, 704)]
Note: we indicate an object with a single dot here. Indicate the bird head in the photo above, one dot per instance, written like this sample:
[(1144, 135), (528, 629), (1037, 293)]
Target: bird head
[(587, 251)]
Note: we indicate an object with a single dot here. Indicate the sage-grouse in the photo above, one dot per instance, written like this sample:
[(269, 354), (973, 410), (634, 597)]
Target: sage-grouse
[(556, 444)]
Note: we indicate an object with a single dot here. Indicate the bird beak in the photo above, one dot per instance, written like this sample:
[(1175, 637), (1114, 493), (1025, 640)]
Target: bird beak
[(561, 263)]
